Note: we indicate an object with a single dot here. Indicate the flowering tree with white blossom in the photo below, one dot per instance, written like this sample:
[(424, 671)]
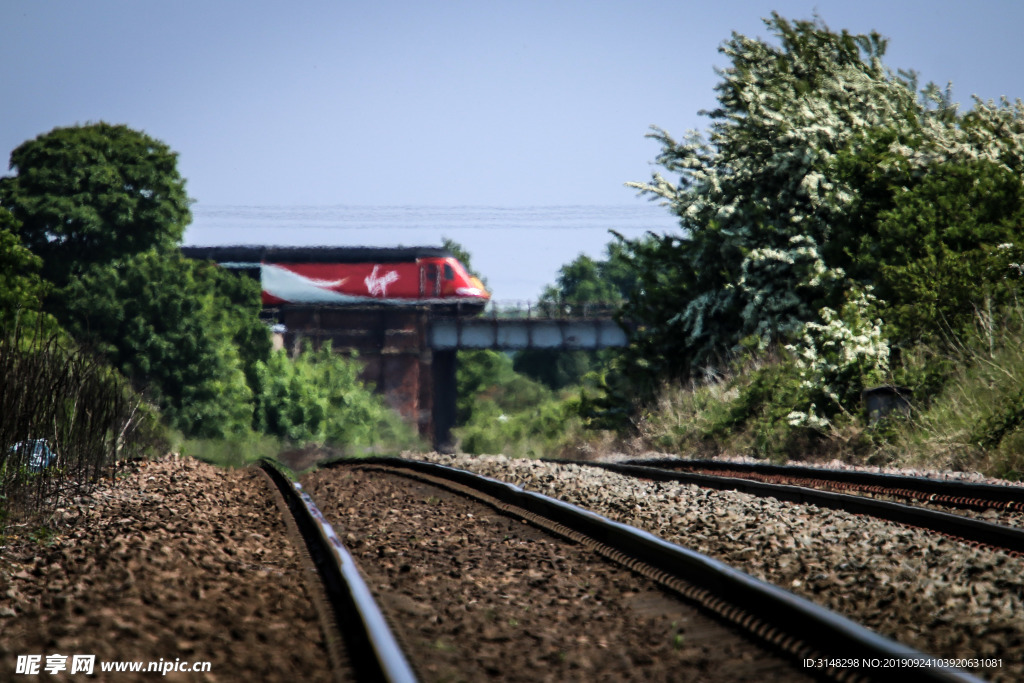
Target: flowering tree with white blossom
[(787, 207), (835, 358)]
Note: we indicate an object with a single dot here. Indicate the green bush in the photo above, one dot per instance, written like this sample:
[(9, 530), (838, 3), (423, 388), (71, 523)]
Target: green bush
[(967, 408), (489, 376), (976, 420), (748, 411), (823, 174), (318, 397), (544, 429), (501, 411), (948, 248)]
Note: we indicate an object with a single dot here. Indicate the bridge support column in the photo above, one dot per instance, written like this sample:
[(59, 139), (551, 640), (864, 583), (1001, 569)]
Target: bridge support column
[(445, 365)]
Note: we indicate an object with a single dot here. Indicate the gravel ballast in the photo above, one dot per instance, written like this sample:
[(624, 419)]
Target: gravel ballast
[(928, 592), (475, 595), (178, 561)]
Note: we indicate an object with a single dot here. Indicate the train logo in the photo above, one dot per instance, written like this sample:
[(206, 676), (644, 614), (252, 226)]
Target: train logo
[(378, 286)]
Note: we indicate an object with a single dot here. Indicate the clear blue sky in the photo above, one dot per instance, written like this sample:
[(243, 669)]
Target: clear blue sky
[(514, 102), (495, 102)]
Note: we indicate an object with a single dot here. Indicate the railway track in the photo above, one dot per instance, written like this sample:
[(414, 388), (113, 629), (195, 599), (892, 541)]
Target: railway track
[(813, 486), (360, 643), (939, 492), (810, 641)]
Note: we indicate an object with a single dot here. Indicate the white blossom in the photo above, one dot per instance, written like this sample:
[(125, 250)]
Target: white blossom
[(840, 351), (761, 192)]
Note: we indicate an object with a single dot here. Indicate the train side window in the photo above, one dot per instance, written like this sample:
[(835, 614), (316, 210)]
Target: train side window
[(449, 273)]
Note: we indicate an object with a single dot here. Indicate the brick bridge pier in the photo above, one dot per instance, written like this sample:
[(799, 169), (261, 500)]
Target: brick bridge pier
[(409, 353)]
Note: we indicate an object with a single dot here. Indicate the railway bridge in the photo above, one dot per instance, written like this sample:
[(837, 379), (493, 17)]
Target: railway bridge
[(410, 353)]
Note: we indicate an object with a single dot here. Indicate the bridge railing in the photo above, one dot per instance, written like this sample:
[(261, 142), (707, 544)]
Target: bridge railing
[(528, 327), (520, 309)]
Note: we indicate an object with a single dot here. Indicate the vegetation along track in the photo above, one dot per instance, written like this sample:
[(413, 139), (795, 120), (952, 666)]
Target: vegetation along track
[(475, 591), (798, 486)]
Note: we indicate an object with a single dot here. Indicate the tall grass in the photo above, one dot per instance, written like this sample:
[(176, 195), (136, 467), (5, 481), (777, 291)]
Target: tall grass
[(233, 453), (86, 413), (968, 411), (976, 420)]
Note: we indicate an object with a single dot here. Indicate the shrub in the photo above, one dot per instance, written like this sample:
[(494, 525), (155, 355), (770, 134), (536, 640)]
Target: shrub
[(318, 397)]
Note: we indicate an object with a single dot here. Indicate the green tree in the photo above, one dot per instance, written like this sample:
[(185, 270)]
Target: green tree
[(92, 194), (172, 325), (585, 286), (502, 411), (759, 199), (488, 377), (241, 306), (587, 282), (21, 287), (105, 209), (945, 248), (779, 206)]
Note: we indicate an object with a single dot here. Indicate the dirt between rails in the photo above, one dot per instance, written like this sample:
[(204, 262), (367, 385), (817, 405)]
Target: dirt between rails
[(475, 595), (179, 560)]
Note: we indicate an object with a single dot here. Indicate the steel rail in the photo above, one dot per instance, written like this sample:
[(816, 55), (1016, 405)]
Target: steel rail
[(935, 490), (772, 608), (372, 649), (967, 529)]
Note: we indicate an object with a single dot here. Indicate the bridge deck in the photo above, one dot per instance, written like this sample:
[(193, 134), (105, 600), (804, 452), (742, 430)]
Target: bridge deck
[(530, 333)]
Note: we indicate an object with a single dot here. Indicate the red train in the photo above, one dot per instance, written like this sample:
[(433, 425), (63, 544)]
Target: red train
[(352, 275)]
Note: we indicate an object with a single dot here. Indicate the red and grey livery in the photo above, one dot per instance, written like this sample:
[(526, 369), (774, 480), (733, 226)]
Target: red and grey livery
[(351, 275)]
